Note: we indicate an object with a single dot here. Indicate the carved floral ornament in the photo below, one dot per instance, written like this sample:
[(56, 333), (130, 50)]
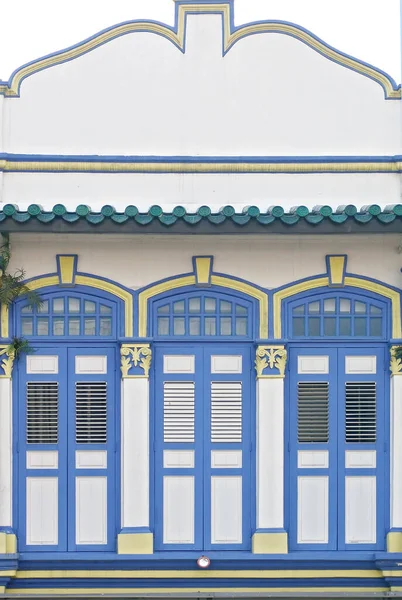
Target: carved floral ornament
[(272, 358), (135, 356), (7, 361)]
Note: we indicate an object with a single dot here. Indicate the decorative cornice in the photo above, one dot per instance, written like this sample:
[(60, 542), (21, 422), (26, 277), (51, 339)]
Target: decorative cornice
[(137, 357), (177, 36), (75, 163), (35, 217), (395, 365), (7, 362), (272, 358)]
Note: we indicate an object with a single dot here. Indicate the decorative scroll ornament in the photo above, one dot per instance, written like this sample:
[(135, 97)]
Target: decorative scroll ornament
[(7, 362), (270, 357), (395, 365), (135, 356)]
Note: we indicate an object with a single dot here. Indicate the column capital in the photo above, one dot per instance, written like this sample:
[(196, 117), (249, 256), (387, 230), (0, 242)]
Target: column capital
[(135, 360), (270, 362)]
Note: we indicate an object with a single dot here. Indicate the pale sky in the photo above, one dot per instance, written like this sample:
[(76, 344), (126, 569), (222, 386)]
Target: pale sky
[(366, 29)]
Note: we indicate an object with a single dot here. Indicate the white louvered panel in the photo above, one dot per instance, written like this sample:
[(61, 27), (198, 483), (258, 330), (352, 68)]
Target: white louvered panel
[(360, 412), (91, 412), (312, 411), (226, 411), (42, 412), (178, 411)]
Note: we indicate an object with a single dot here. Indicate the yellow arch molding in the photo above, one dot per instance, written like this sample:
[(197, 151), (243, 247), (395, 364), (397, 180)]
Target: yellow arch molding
[(99, 284), (220, 280), (177, 37), (357, 282)]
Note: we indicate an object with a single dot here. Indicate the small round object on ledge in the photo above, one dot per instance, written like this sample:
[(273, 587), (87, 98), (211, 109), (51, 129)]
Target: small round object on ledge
[(203, 562)]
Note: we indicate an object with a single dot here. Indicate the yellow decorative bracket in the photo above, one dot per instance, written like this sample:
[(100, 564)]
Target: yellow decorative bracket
[(7, 362), (273, 358), (395, 365), (135, 357)]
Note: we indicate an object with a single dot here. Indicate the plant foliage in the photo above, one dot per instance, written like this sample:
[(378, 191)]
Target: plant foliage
[(19, 346), (12, 286)]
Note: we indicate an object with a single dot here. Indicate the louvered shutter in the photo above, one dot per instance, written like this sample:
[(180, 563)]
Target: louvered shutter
[(42, 412), (312, 411), (178, 411), (91, 412), (226, 411), (360, 412)]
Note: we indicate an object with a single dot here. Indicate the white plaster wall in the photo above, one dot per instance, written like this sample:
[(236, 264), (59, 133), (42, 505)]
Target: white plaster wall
[(269, 261), (138, 94), (192, 191)]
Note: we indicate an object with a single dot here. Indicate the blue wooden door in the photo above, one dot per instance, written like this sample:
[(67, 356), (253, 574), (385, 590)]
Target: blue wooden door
[(336, 405), (67, 401), (203, 408)]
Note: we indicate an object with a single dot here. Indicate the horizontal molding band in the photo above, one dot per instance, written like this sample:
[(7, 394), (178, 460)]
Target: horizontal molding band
[(33, 163)]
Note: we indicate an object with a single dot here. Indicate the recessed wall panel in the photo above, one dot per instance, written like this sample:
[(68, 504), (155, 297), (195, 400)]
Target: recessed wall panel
[(226, 510), (178, 510), (42, 511), (91, 510), (312, 510)]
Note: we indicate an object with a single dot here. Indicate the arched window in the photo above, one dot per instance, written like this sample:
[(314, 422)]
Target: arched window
[(68, 315), (342, 315), (208, 314)]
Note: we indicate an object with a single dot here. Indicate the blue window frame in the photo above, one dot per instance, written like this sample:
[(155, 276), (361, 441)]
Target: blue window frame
[(68, 315), (337, 315), (206, 315)]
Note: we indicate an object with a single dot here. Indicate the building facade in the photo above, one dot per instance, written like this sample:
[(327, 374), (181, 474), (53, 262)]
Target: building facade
[(212, 402)]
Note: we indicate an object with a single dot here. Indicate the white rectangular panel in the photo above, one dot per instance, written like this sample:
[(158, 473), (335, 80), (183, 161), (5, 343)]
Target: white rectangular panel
[(91, 510), (313, 365), (312, 459), (312, 510), (42, 459), (179, 363), (226, 510), (42, 511), (91, 459), (363, 365), (226, 364), (39, 364), (360, 459), (360, 510), (226, 459), (178, 510), (90, 365), (178, 459)]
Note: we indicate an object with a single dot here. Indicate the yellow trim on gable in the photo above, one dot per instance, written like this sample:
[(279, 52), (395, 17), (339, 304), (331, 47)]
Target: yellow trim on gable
[(12, 88), (100, 284), (352, 281)]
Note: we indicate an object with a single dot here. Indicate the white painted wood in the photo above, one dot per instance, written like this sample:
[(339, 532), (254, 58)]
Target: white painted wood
[(91, 459), (226, 459), (178, 510), (91, 510), (270, 451), (312, 510), (360, 459), (178, 364), (355, 365), (360, 510), (396, 452), (90, 365), (135, 452), (226, 510), (41, 364), (42, 459), (312, 459), (226, 364), (179, 459), (42, 511), (314, 365), (6, 453)]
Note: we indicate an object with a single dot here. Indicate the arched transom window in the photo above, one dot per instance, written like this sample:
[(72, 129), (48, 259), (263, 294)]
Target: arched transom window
[(338, 316), (68, 316), (203, 315)]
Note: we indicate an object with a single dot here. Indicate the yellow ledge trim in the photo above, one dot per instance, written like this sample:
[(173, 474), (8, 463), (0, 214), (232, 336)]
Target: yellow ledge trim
[(271, 574), (146, 591), (12, 88)]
